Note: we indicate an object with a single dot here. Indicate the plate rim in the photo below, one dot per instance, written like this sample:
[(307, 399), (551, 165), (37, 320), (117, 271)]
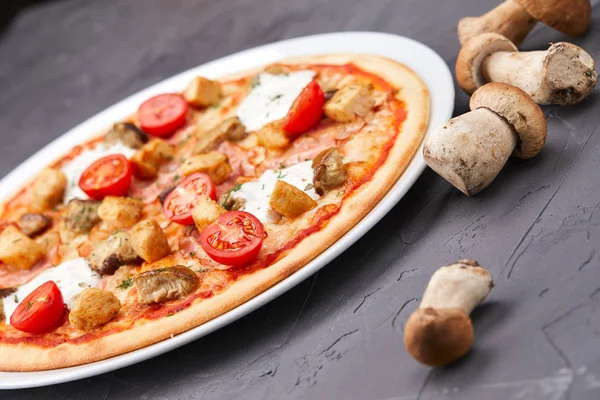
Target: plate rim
[(255, 56)]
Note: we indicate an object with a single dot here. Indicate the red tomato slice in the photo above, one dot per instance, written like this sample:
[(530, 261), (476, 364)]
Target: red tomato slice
[(163, 114), (108, 176), (180, 202), (306, 111), (235, 238), (41, 311)]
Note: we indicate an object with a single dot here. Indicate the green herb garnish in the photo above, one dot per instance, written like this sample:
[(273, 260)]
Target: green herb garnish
[(126, 283)]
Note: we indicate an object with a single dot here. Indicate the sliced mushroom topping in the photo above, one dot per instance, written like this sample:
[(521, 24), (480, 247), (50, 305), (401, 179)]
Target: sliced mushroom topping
[(164, 284), (33, 224), (126, 133), (113, 253), (82, 215), (329, 170), (5, 292)]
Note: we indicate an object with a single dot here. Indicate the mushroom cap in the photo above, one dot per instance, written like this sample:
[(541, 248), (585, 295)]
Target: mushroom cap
[(519, 109), (472, 54), (437, 337), (571, 17)]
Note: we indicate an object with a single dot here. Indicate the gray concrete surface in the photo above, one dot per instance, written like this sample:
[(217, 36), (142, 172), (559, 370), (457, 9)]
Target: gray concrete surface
[(339, 334)]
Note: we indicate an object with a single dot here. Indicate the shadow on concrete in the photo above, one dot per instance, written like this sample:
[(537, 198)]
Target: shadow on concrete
[(10, 9)]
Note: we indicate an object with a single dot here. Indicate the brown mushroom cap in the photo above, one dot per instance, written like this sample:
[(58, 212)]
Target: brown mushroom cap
[(472, 54), (437, 337), (571, 17), (519, 109)]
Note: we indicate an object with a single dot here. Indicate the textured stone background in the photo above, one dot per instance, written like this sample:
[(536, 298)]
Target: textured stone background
[(339, 334)]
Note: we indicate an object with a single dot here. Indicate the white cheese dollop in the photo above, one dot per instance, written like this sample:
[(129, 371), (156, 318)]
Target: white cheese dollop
[(76, 166), (272, 98), (255, 195), (71, 277)]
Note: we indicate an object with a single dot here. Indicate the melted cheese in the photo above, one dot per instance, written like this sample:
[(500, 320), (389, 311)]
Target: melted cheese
[(75, 167), (272, 98), (255, 195), (71, 277)]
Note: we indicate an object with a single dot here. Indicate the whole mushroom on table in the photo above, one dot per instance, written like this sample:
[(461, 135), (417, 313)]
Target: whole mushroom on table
[(514, 19), (470, 150), (440, 330), (564, 74)]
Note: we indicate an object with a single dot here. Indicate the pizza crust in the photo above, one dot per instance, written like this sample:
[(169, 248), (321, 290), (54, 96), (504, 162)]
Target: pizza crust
[(414, 93)]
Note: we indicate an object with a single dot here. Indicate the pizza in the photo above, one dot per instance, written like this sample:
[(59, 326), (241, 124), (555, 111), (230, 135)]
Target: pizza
[(198, 202)]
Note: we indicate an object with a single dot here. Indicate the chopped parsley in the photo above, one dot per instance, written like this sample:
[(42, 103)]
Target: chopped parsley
[(192, 254), (170, 315), (277, 97), (203, 270), (161, 269), (280, 174), (281, 165), (126, 283), (215, 105), (28, 306), (16, 299)]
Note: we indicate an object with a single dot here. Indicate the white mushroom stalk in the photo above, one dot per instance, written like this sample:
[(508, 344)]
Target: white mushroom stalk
[(440, 330), (514, 19), (564, 74), (520, 23), (470, 150)]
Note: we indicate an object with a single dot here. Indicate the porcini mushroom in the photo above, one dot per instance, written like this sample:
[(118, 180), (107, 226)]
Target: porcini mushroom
[(515, 19), (440, 330), (564, 74), (470, 150)]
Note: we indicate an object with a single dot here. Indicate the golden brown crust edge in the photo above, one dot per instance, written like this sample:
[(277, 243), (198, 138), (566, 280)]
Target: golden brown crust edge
[(24, 357)]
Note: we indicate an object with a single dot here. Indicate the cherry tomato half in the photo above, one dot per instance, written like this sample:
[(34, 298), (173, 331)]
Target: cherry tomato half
[(108, 176), (306, 111), (235, 238), (41, 311), (179, 204), (163, 114)]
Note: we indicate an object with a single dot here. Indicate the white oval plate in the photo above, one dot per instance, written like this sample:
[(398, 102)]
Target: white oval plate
[(421, 59)]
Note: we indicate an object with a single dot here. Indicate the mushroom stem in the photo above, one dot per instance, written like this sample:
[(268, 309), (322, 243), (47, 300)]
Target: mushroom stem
[(440, 330), (470, 150), (463, 284), (509, 19), (564, 74)]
